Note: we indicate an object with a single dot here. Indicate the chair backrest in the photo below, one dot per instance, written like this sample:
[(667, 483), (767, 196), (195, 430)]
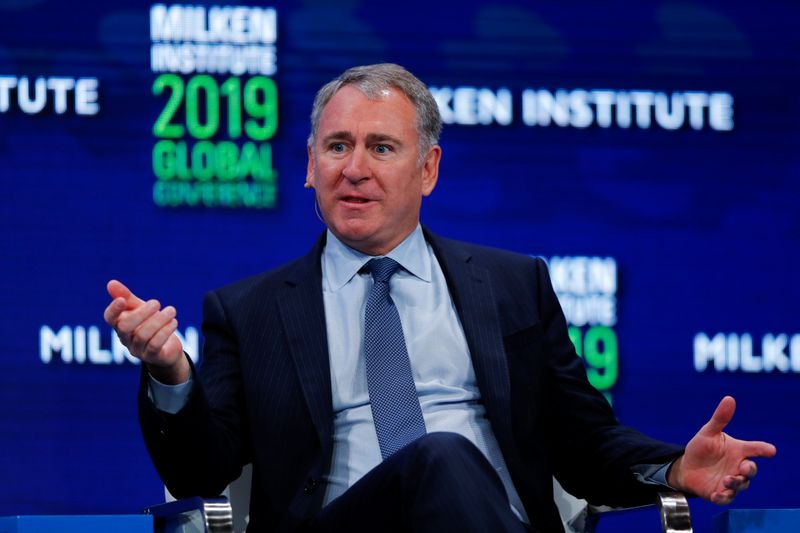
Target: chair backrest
[(239, 495), (574, 511)]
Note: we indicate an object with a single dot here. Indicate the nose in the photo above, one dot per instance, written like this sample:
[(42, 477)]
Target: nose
[(357, 167)]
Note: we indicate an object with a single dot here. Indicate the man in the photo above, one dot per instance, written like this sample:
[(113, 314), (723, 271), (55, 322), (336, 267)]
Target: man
[(392, 379)]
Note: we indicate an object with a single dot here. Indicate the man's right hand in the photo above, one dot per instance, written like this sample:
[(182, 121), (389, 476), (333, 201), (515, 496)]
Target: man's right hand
[(148, 332)]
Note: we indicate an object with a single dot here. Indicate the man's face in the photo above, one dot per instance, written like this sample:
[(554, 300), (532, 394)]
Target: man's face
[(366, 169)]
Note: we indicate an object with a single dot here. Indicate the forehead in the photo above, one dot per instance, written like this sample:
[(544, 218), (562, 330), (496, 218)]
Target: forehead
[(352, 111)]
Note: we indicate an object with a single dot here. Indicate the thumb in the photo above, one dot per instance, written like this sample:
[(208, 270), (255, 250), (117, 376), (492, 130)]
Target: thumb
[(117, 289), (722, 416)]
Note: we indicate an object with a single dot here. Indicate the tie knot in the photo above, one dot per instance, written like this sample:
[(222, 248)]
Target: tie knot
[(382, 269)]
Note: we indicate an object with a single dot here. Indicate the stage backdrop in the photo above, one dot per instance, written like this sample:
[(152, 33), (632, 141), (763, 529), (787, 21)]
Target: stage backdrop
[(649, 151)]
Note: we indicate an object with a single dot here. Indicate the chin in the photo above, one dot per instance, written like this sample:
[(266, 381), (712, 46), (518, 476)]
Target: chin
[(354, 235)]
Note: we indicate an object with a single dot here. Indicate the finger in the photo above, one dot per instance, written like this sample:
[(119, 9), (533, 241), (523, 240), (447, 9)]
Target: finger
[(144, 333), (149, 327), (721, 417), (734, 482), (117, 289), (722, 497), (129, 321), (112, 312), (160, 338), (748, 469), (756, 448)]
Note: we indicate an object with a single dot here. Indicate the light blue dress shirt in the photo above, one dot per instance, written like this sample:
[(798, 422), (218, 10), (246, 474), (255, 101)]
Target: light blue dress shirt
[(440, 360)]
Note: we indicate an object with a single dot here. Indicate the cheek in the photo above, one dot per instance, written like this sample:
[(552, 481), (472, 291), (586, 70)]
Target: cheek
[(325, 181), (326, 168)]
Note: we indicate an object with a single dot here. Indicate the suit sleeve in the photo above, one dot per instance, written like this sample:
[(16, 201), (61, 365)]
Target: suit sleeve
[(593, 454), (200, 449)]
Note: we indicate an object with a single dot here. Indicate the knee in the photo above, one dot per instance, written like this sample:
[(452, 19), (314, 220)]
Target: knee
[(443, 439), (448, 471), (445, 448)]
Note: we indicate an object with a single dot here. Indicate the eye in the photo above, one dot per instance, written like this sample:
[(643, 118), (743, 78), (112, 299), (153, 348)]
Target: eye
[(337, 148), (382, 149)]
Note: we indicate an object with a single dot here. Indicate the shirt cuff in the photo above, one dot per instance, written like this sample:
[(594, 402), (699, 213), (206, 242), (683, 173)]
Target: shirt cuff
[(169, 398), (653, 474)]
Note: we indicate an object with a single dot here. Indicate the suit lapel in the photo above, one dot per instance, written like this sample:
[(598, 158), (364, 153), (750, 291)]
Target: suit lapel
[(303, 314), (471, 290)]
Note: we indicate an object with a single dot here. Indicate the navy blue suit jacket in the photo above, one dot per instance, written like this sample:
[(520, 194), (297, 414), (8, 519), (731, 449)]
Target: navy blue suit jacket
[(264, 392)]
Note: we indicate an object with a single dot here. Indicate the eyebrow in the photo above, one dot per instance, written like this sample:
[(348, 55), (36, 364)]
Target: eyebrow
[(371, 138), (382, 137), (338, 136)]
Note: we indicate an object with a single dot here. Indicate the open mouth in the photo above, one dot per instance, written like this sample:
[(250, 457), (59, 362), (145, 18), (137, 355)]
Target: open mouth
[(355, 200)]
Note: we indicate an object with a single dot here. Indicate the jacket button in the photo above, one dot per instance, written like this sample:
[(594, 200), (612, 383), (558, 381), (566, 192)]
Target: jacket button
[(310, 486)]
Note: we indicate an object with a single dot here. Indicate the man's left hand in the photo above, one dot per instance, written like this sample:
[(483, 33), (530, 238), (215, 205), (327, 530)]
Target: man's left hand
[(716, 466)]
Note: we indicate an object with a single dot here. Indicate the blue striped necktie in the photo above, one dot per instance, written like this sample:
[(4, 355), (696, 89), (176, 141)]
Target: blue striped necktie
[(392, 394)]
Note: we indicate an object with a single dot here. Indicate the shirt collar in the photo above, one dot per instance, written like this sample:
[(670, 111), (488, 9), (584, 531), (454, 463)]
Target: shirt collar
[(340, 262)]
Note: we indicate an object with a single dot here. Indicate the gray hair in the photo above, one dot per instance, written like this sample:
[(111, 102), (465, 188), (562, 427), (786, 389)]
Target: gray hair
[(371, 80)]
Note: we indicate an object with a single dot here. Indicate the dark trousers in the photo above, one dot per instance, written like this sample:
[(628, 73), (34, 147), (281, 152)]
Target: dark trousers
[(440, 482)]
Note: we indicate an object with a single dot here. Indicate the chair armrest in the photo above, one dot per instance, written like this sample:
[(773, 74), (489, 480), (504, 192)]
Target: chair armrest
[(674, 511), (192, 515)]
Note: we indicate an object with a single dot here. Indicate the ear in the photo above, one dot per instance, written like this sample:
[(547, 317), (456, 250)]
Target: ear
[(310, 168), (430, 169)]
